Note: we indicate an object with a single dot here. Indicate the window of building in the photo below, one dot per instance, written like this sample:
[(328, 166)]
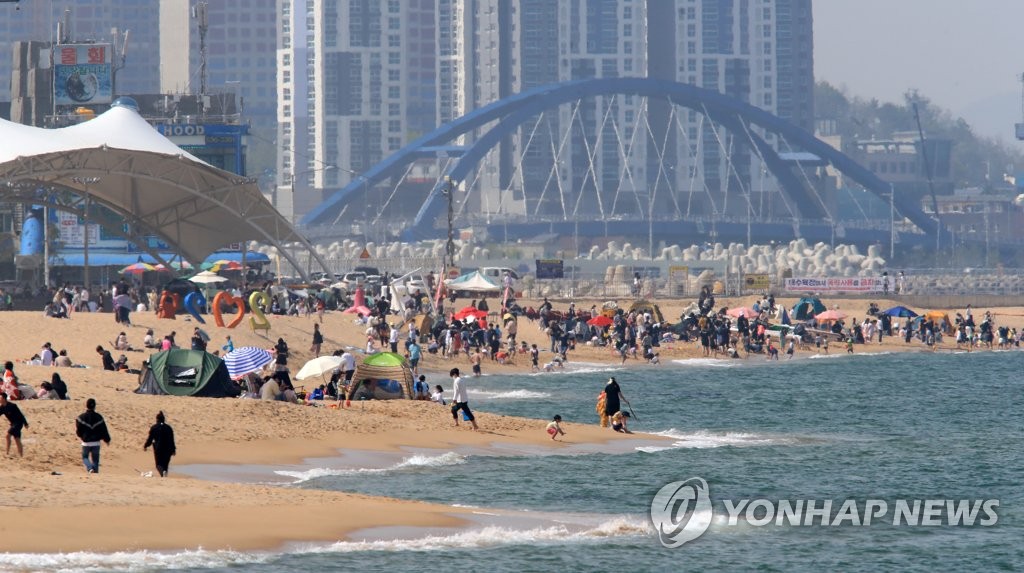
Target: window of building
[(767, 82), (394, 109), (768, 99), (394, 92)]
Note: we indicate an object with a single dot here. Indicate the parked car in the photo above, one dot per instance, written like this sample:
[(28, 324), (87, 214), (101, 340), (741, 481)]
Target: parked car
[(352, 280)]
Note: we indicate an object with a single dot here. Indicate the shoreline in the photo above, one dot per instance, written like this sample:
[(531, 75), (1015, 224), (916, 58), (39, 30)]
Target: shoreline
[(139, 513)]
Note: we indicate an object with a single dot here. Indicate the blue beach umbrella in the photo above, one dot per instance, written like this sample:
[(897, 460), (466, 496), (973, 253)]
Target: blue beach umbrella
[(242, 361)]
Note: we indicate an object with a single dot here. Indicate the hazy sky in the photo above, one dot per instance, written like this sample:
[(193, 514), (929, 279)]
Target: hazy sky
[(966, 55)]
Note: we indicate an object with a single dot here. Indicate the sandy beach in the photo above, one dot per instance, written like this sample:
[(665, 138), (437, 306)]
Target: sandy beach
[(48, 490)]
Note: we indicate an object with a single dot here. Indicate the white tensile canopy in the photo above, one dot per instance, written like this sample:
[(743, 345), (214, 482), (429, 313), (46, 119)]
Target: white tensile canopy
[(120, 161), (472, 282)]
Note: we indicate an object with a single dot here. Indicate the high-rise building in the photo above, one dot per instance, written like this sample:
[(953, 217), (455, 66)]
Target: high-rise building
[(757, 51), (93, 21), (241, 51), (356, 81)]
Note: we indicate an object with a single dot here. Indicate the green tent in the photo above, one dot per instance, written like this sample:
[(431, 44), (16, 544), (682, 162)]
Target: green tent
[(807, 307), (181, 372)]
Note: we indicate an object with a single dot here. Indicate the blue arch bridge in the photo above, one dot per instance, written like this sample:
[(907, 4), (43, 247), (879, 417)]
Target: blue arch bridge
[(625, 157)]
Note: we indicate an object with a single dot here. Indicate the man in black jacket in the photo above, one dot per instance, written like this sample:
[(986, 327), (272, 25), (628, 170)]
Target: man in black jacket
[(91, 428)]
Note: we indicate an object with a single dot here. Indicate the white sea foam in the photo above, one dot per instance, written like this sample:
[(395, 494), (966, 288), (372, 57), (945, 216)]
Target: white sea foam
[(488, 536), (510, 395), (717, 362), (129, 560), (491, 536), (703, 439), (415, 461)]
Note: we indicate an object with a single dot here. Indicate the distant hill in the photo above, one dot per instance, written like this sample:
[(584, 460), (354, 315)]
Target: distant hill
[(977, 161)]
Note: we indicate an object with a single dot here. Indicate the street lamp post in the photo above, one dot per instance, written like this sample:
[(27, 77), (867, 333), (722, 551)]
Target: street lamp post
[(86, 181), (366, 191), (448, 192), (306, 172)]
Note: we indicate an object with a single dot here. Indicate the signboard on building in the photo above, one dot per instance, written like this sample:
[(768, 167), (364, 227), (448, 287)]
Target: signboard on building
[(833, 285), (550, 269), (72, 231), (82, 74)]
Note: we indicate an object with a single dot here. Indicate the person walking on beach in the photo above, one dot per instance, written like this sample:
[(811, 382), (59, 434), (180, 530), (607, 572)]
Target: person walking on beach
[(161, 437), (460, 399), (91, 428), (17, 420), (613, 399), (318, 340), (790, 348), (555, 427)]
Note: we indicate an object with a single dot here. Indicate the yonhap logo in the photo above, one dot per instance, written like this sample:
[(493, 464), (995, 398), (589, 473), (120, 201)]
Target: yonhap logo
[(681, 511)]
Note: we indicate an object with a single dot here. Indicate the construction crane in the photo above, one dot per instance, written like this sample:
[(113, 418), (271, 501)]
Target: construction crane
[(1020, 126)]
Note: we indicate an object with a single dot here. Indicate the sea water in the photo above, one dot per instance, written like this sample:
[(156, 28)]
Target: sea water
[(890, 427)]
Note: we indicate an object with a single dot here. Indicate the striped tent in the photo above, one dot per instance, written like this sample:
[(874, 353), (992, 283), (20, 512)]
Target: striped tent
[(380, 367)]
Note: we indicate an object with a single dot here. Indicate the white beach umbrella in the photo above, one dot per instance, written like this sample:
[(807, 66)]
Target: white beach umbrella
[(207, 277), (318, 367)]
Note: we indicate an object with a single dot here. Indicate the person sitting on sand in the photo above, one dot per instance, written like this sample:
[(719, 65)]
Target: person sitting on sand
[(108, 360), (122, 364), (438, 395), (46, 392), (271, 389), (619, 422), (59, 386), (555, 428), (420, 389), (10, 382), (63, 360)]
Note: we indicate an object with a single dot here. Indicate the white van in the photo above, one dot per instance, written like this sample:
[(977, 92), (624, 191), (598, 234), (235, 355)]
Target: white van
[(497, 274)]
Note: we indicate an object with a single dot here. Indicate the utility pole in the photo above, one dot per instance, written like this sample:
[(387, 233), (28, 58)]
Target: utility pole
[(892, 223)]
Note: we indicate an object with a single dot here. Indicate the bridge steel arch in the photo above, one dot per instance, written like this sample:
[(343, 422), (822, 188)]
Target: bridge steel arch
[(511, 112)]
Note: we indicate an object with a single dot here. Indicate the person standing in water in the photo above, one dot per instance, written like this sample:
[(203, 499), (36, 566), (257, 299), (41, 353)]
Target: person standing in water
[(613, 399)]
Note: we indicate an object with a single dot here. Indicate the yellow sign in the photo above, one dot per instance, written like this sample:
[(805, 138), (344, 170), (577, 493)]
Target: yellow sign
[(756, 281), (679, 274)]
